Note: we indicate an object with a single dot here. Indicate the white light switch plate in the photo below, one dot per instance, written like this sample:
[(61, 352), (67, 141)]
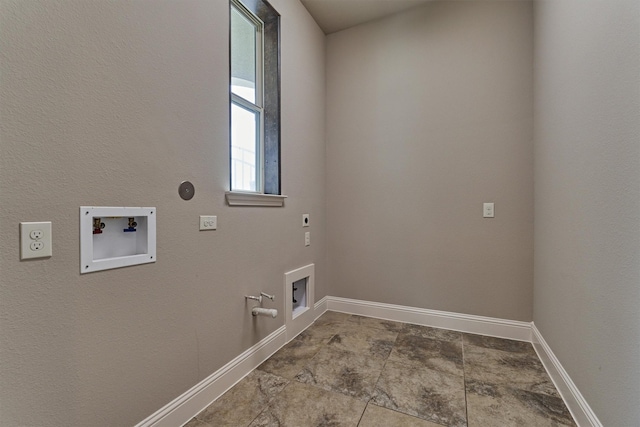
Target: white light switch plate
[(488, 210), (35, 240), (307, 238), (208, 222)]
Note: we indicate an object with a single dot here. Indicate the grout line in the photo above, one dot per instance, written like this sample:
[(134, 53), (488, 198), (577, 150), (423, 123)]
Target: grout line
[(263, 409), (362, 415), (464, 384)]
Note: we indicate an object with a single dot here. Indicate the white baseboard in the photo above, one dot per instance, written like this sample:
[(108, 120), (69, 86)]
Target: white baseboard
[(578, 406), (183, 408), (320, 307), (193, 401), (501, 328)]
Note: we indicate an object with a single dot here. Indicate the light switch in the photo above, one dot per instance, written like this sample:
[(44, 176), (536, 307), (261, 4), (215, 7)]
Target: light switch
[(307, 238), (35, 240), (487, 210)]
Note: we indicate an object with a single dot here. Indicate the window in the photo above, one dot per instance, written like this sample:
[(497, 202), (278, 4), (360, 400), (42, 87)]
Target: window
[(255, 99)]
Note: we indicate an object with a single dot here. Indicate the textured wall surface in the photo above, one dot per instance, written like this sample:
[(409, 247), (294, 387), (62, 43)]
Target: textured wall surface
[(429, 114), (114, 104), (587, 195)]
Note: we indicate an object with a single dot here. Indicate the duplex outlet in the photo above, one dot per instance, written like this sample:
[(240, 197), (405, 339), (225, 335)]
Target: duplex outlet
[(36, 246), (35, 240), (36, 234), (208, 222)]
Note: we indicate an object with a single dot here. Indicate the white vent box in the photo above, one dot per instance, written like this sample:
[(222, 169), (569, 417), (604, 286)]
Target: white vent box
[(113, 237), (299, 300)]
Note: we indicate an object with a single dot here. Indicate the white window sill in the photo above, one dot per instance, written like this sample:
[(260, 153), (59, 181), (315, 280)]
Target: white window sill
[(238, 198)]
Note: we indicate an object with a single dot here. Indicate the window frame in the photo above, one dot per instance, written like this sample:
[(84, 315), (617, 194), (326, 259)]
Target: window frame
[(255, 107), (266, 107)]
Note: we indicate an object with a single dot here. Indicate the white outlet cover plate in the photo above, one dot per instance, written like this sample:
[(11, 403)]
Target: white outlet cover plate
[(307, 238), (306, 220), (38, 247), (208, 222)]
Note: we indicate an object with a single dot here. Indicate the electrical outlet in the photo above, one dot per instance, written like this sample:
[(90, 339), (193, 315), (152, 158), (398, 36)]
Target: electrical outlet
[(36, 234), (36, 246), (306, 220), (307, 238), (208, 222), (488, 210), (35, 240)]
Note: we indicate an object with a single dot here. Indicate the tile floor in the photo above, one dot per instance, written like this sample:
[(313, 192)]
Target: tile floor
[(358, 371)]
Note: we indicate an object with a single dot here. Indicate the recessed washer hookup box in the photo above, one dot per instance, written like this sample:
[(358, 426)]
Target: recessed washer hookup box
[(114, 237)]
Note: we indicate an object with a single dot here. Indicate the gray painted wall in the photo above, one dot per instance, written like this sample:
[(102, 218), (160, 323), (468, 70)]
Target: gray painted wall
[(587, 196), (114, 104), (429, 114)]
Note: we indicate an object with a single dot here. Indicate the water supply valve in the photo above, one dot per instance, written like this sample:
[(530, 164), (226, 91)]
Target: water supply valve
[(98, 225), (132, 226)]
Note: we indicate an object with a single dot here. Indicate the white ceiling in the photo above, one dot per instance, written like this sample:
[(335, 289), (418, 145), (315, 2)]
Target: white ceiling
[(336, 15)]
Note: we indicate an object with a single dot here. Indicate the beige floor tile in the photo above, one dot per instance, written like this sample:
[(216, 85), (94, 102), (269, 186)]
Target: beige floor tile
[(375, 416), (332, 317), (369, 341), (323, 332), (498, 343), (433, 333), (251, 395), (445, 356), (340, 371), (372, 322), (493, 405), (301, 405), (424, 393), (294, 356), (521, 370)]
